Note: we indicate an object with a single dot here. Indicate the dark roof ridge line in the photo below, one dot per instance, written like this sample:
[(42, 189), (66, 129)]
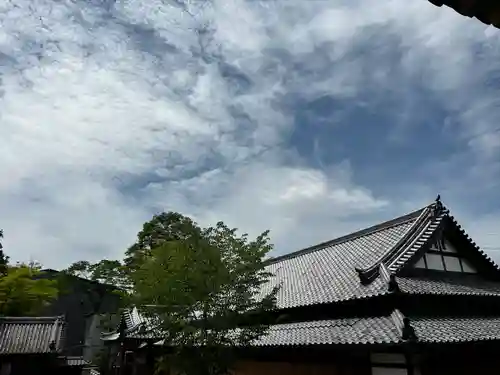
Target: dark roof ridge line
[(440, 214), (348, 237), (473, 243), (411, 233), (31, 319), (64, 273)]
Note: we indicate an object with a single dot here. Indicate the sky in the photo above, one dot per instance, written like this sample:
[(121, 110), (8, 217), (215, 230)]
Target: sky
[(311, 119)]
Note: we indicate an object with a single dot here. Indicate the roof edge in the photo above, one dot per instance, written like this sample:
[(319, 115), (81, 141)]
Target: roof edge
[(64, 273), (414, 234), (31, 319), (362, 232), (485, 11), (473, 244), (367, 274)]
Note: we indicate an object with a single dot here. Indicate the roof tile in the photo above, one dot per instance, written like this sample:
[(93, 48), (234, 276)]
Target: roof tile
[(375, 330), (327, 273), (31, 335), (449, 285), (456, 329)]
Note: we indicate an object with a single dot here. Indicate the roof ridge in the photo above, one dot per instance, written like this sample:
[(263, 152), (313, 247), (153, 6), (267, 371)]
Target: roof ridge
[(31, 319), (369, 273), (439, 213), (351, 236), (473, 243), (64, 273)]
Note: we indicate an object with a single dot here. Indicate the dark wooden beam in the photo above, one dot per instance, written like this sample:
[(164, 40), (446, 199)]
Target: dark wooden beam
[(487, 11)]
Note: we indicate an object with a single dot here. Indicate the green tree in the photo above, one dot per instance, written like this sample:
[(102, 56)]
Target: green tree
[(22, 293), (164, 227), (204, 288), (4, 260), (80, 268), (106, 271), (110, 272)]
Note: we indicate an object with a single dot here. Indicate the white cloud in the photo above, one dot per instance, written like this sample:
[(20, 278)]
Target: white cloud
[(107, 116), (264, 195)]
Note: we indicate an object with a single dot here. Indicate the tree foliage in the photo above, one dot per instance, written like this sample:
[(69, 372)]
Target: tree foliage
[(111, 272), (202, 284), (22, 293), (202, 287), (4, 260), (164, 227)]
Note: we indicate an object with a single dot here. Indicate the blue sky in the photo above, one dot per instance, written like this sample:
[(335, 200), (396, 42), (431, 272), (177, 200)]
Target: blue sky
[(308, 118)]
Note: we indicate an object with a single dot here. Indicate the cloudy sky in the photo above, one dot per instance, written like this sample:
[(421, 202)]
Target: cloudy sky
[(308, 118)]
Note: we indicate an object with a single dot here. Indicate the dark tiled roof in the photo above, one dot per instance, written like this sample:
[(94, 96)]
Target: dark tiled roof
[(450, 330), (487, 11), (326, 273), (360, 265), (76, 361), (31, 335), (376, 330), (138, 326), (373, 330), (464, 285), (132, 318), (383, 330), (143, 333)]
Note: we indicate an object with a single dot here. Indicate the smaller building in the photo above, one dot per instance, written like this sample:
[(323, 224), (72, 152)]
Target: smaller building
[(82, 303), (34, 345)]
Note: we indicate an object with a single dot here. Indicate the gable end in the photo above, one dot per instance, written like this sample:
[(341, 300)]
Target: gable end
[(452, 250), (416, 237), (426, 236)]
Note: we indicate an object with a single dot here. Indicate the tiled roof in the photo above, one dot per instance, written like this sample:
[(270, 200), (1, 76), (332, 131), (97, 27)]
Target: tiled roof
[(393, 329), (326, 273), (143, 333), (31, 335), (456, 329), (75, 361), (137, 325), (360, 265), (133, 318), (487, 11), (464, 285), (375, 330)]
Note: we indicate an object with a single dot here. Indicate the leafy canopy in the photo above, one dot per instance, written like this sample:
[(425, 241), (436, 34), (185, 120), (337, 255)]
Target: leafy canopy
[(164, 227), (4, 260), (201, 284), (22, 293), (105, 271)]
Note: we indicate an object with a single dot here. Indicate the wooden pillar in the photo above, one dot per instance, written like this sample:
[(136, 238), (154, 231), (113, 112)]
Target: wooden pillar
[(150, 359), (121, 368), (5, 368)]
